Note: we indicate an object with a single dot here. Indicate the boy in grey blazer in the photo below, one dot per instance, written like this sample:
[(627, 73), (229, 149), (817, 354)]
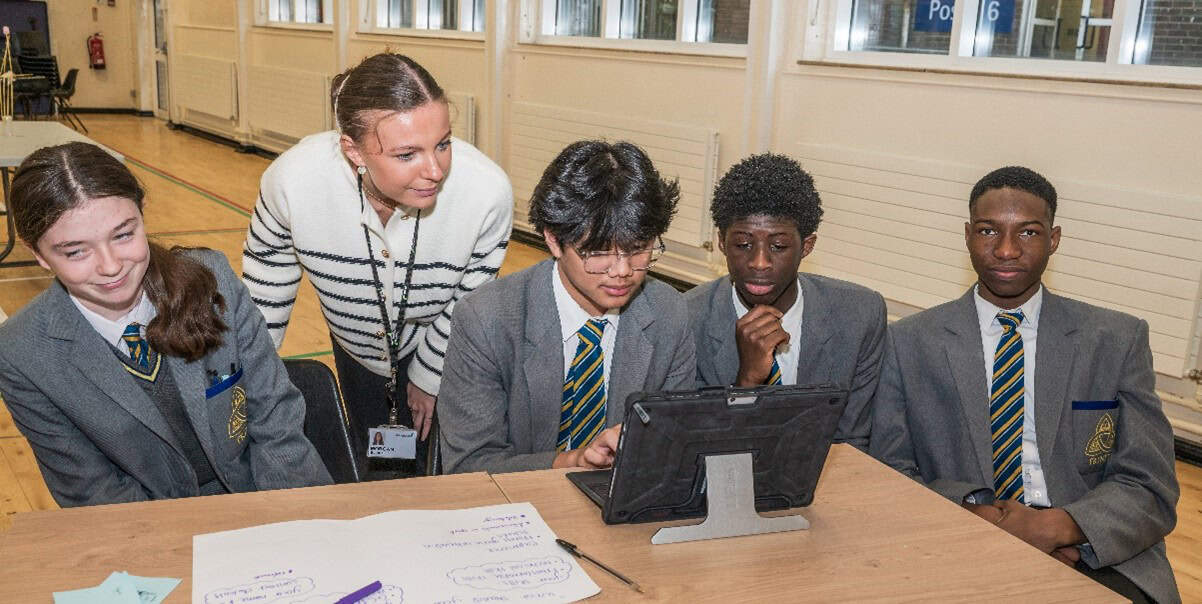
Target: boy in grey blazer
[(1068, 450), (540, 363), (765, 315)]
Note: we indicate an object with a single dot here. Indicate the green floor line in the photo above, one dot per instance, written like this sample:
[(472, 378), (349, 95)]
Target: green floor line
[(187, 186), (307, 355)]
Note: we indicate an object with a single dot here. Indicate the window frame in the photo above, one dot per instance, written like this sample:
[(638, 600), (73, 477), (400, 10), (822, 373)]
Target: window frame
[(369, 19), (828, 29), (263, 12), (534, 26)]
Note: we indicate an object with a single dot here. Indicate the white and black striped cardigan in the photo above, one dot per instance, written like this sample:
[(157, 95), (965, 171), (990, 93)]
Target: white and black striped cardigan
[(309, 218)]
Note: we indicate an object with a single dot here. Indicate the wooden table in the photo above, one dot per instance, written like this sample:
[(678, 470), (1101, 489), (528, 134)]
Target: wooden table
[(57, 550), (875, 536), (17, 141)]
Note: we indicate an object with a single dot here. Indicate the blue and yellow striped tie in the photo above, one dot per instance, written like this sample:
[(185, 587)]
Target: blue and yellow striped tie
[(1006, 409), (139, 350), (582, 415), (774, 377)]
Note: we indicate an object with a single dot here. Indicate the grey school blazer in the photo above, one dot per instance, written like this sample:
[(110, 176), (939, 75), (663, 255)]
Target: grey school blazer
[(502, 383), (842, 338), (1104, 443), (99, 438)]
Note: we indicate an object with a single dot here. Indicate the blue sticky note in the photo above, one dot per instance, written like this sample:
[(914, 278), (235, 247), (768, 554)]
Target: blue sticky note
[(118, 588), (121, 588), (153, 590)]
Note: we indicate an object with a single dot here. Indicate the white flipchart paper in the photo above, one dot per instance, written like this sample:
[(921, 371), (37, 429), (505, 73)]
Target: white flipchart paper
[(500, 553)]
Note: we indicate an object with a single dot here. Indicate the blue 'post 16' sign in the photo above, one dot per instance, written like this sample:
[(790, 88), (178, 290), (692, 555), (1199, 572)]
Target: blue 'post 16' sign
[(936, 15)]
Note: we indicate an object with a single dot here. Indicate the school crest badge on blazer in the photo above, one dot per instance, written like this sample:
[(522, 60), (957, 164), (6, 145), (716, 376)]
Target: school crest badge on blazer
[(1102, 443), (237, 424)]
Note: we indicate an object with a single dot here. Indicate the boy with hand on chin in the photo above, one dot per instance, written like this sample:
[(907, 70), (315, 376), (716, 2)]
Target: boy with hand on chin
[(766, 323), (540, 363)]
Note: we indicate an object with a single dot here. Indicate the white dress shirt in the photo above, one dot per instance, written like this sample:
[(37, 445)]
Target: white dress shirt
[(572, 318), (787, 355), (1035, 491), (112, 330)]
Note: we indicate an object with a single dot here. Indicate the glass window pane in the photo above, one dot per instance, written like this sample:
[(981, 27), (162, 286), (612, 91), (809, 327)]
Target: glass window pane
[(311, 12), (478, 15), (400, 14), (279, 10), (919, 26), (648, 19), (1074, 30), (442, 14), (1170, 33), (723, 21), (578, 18)]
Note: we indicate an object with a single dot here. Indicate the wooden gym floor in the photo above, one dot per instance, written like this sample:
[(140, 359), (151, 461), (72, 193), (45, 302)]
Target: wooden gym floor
[(200, 193)]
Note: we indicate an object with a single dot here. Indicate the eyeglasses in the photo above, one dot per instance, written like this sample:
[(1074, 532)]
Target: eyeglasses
[(597, 263)]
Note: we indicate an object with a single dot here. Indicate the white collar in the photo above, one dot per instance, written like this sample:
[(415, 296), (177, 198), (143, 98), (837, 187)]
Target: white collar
[(112, 329), (987, 311), (571, 316)]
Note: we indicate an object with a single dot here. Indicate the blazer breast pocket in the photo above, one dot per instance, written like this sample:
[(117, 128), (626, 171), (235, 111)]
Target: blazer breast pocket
[(1095, 433), (236, 423)]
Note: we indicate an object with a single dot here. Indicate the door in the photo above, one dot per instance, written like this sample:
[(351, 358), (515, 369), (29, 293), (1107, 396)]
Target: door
[(1068, 29), (162, 101)]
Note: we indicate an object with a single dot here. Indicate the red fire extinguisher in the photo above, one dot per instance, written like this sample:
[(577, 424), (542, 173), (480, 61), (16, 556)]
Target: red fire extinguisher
[(96, 51)]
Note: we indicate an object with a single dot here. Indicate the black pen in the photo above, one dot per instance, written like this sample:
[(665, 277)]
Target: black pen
[(571, 549)]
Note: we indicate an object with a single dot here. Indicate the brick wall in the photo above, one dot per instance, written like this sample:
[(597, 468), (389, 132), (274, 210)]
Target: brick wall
[(731, 21), (1175, 28)]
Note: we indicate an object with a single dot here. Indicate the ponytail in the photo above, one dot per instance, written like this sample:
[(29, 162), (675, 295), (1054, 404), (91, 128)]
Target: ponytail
[(184, 291)]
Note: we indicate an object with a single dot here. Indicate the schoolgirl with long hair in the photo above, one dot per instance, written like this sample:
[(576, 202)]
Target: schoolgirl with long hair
[(141, 372)]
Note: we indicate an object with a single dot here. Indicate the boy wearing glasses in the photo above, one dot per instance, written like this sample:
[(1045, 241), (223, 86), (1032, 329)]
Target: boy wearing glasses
[(540, 363), (766, 323)]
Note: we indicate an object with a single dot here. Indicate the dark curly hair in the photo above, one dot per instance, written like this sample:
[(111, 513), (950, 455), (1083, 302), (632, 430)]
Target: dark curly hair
[(767, 185), (1016, 177), (596, 195)]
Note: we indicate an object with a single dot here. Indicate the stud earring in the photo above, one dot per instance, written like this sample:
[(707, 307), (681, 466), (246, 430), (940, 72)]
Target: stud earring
[(361, 170)]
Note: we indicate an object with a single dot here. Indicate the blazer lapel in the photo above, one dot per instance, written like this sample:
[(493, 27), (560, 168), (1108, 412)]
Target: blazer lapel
[(543, 365), (632, 358), (1056, 350), (88, 352), (966, 360), (817, 327), (722, 351)]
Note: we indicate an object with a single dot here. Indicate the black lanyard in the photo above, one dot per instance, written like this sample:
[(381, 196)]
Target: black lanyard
[(392, 339)]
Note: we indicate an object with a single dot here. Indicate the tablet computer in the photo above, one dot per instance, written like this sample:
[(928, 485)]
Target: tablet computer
[(659, 473)]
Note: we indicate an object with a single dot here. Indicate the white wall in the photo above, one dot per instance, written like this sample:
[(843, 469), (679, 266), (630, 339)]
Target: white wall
[(71, 22)]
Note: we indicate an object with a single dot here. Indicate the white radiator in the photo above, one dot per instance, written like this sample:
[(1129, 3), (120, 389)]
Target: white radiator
[(684, 151), (287, 103), (205, 85)]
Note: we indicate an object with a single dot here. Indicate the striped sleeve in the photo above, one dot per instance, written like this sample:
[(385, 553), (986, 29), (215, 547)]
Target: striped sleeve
[(270, 268), (488, 254)]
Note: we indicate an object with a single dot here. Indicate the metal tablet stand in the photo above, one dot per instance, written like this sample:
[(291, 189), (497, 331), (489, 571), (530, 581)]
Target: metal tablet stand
[(730, 493)]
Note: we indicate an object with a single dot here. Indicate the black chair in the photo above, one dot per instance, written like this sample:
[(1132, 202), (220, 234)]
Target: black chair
[(62, 100), (325, 419), (31, 90), (433, 453)]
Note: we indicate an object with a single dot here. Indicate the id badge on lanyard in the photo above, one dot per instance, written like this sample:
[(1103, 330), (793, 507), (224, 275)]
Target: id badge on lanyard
[(392, 440)]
